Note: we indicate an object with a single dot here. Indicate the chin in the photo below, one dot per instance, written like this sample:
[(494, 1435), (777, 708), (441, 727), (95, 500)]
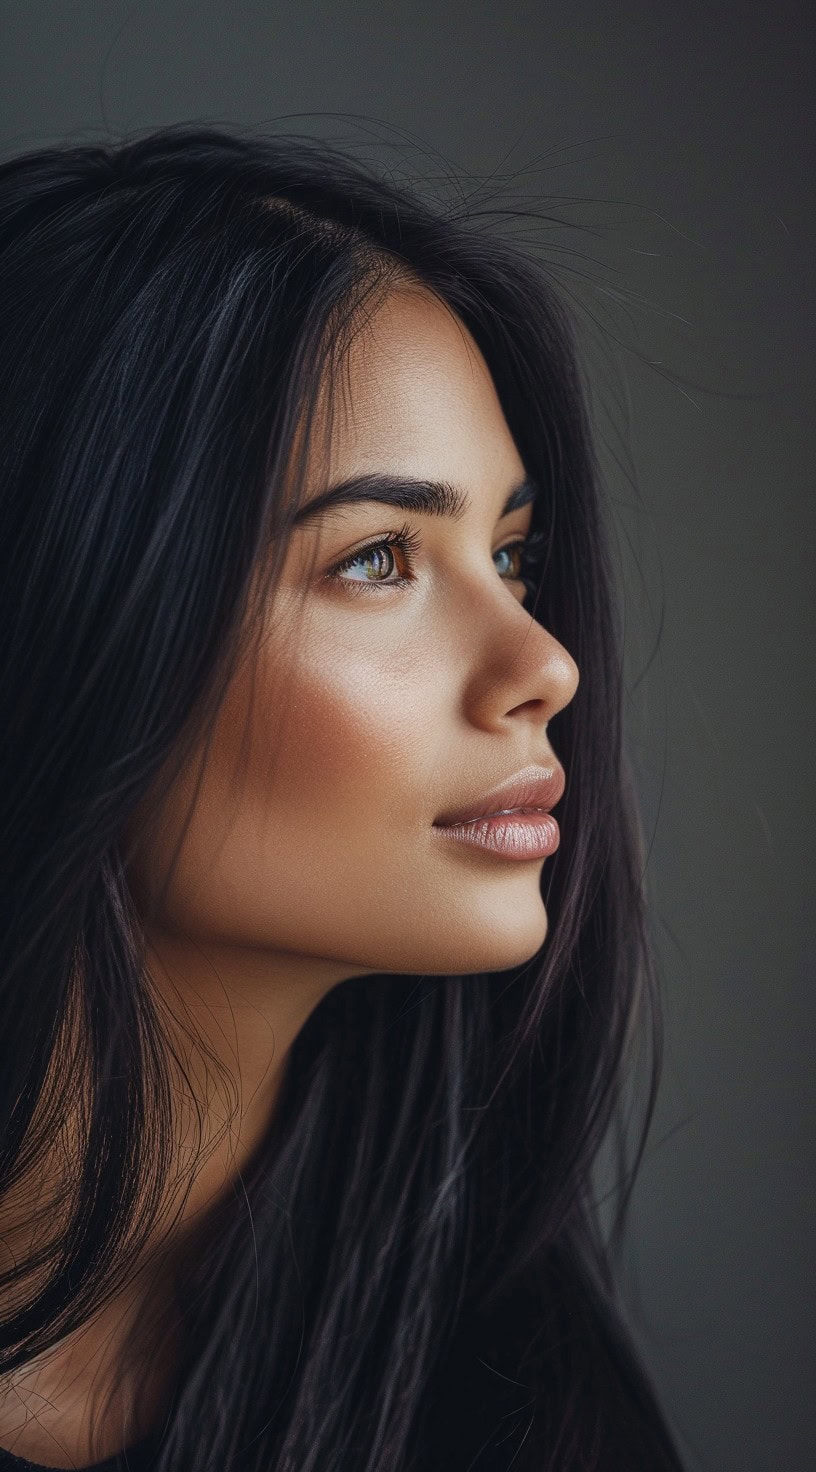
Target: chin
[(477, 947)]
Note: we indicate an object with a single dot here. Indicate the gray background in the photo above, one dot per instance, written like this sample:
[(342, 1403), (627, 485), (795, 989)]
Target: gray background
[(671, 144)]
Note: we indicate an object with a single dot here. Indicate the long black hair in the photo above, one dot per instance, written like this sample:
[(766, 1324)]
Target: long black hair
[(413, 1274)]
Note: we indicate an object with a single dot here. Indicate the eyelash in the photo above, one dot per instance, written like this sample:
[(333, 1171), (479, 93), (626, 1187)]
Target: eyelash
[(409, 543)]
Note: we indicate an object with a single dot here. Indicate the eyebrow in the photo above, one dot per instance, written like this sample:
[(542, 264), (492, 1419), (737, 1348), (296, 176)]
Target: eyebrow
[(431, 497)]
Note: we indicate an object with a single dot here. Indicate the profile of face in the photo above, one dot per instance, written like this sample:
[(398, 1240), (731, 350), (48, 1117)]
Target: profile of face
[(376, 705)]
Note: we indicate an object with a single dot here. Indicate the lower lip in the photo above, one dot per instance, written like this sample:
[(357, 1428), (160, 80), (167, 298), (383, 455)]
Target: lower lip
[(519, 836)]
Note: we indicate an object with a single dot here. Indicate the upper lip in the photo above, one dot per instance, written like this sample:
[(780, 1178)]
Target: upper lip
[(533, 787)]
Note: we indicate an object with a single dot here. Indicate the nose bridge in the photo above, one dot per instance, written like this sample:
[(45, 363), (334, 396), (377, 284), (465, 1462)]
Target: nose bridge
[(514, 661)]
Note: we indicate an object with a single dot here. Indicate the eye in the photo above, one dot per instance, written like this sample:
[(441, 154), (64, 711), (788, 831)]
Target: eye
[(375, 561), (373, 564), (514, 553)]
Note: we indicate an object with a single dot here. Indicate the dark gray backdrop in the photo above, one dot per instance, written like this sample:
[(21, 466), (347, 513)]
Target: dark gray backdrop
[(677, 139)]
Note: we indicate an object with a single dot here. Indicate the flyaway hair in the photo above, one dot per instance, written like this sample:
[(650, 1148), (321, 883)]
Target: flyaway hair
[(412, 1275)]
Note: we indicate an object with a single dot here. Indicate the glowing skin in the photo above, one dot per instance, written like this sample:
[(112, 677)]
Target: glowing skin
[(367, 713), (310, 856)]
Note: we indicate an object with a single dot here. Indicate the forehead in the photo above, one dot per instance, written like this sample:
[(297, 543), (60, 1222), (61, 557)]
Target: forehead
[(416, 395)]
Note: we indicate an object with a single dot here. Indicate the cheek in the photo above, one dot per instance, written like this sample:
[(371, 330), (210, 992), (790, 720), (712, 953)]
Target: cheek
[(347, 743), (314, 788)]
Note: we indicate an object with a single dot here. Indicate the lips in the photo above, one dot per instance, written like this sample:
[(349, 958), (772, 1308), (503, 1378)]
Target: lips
[(538, 788)]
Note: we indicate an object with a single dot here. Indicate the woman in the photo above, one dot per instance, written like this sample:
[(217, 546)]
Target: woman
[(306, 1057)]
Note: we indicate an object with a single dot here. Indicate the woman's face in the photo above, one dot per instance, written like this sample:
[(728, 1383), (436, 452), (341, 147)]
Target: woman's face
[(373, 707)]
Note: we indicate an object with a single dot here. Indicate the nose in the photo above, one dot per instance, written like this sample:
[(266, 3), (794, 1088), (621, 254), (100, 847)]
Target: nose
[(519, 671)]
